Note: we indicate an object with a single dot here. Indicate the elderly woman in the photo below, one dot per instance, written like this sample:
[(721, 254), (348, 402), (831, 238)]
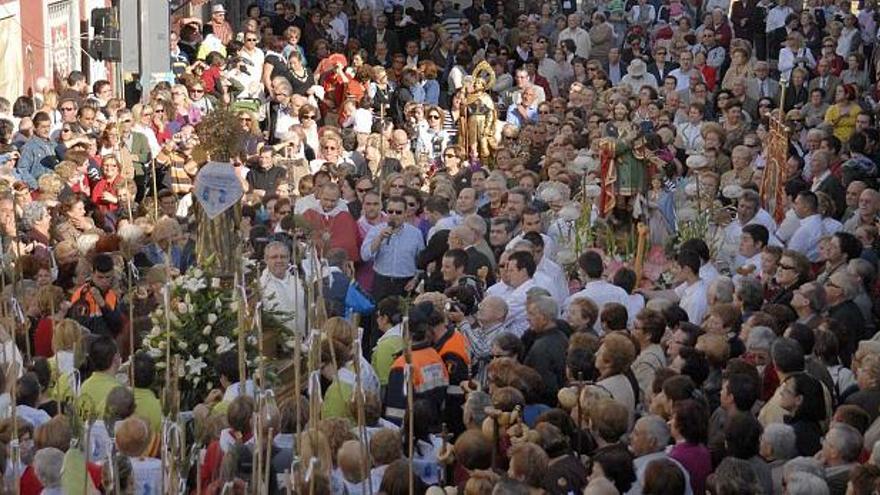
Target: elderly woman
[(613, 360), (854, 74), (778, 445), (795, 54), (36, 221), (47, 464), (689, 428), (741, 173), (793, 271), (867, 371), (72, 220)]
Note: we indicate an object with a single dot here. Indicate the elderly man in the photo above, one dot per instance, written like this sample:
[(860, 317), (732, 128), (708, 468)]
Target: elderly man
[(841, 288), (282, 290), (491, 313), (840, 454), (805, 239), (778, 445), (808, 301), (332, 225), (547, 354), (648, 441), (867, 211), (853, 195), (649, 327), (47, 465), (573, 31), (526, 111), (824, 181), (477, 264)]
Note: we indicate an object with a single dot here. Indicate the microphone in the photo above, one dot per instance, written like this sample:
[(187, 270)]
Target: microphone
[(393, 226)]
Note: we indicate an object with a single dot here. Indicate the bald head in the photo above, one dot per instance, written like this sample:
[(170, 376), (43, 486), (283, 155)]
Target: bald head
[(461, 237), (350, 460)]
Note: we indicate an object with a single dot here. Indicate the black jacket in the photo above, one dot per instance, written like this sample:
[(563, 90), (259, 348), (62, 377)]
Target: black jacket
[(547, 357)]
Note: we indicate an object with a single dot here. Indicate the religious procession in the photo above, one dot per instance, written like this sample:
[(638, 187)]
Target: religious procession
[(362, 247)]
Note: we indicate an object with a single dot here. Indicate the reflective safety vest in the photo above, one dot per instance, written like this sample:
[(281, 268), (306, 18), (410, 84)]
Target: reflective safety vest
[(83, 303)]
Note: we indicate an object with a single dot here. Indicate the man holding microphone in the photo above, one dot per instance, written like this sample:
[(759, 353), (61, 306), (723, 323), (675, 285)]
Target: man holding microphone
[(392, 246)]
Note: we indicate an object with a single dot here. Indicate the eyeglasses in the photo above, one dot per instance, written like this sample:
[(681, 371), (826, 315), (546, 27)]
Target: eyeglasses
[(544, 112), (394, 212), (308, 117), (785, 267), (364, 189), (66, 129), (68, 109), (329, 148)]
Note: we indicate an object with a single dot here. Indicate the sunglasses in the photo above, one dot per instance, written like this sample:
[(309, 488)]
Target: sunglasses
[(250, 39), (785, 267), (67, 109), (400, 186), (394, 212), (329, 148), (308, 117), (197, 90), (66, 129), (412, 205), (159, 110), (364, 189), (434, 117)]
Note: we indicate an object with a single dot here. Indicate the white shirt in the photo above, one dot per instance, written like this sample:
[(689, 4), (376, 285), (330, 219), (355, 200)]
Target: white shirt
[(554, 279), (286, 296), (693, 300), (634, 304), (581, 39), (601, 293), (500, 289), (806, 238), (549, 70), (776, 17), (682, 79), (641, 464), (516, 321), (691, 136)]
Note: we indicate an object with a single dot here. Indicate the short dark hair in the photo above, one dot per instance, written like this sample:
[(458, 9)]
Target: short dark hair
[(788, 355), (535, 238), (744, 390), (758, 233), (524, 260), (102, 350), (696, 365), (625, 278), (803, 335), (810, 198), (698, 246), (144, 370), (614, 316), (41, 117), (103, 263), (423, 317), (458, 256), (849, 244), (28, 392), (692, 420), (689, 259), (653, 324), (591, 263), (742, 434), (437, 204), (227, 365)]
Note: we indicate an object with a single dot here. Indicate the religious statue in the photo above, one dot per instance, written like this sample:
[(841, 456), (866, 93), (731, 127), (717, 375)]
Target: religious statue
[(626, 168), (478, 116)]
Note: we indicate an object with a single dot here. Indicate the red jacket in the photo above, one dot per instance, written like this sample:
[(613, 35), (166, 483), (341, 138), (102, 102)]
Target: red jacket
[(336, 229), (30, 485), (43, 338)]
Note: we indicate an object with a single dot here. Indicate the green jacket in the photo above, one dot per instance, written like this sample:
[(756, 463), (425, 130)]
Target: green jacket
[(389, 346)]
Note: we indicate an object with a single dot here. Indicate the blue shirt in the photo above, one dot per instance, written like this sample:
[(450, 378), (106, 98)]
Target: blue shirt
[(37, 158), (514, 117), (396, 256)]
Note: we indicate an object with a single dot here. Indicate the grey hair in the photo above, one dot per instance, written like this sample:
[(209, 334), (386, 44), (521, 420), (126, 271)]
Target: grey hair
[(131, 233), (750, 292), (761, 338), (724, 288), (846, 440), (816, 296), (276, 245), (750, 196), (781, 439), (476, 223), (847, 284), (803, 464), (465, 233), (657, 429), (498, 302), (862, 268), (806, 484), (523, 244), (47, 464), (735, 475), (279, 82), (546, 306), (32, 213)]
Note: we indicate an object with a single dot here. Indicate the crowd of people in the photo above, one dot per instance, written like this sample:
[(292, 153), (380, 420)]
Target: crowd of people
[(448, 158)]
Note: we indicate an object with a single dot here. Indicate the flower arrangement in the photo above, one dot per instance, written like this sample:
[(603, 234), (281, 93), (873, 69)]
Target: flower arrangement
[(204, 323)]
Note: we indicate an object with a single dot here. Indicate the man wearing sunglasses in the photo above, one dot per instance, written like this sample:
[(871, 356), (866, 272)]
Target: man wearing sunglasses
[(392, 246)]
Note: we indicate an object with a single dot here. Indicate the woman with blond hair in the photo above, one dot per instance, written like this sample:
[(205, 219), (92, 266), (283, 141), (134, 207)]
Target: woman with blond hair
[(252, 137), (67, 347), (375, 165)]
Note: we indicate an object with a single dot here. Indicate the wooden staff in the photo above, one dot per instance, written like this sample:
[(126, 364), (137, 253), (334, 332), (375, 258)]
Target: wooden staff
[(155, 189), (241, 309), (166, 301), (361, 416), (640, 250), (409, 401), (381, 153), (14, 446), (259, 380)]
